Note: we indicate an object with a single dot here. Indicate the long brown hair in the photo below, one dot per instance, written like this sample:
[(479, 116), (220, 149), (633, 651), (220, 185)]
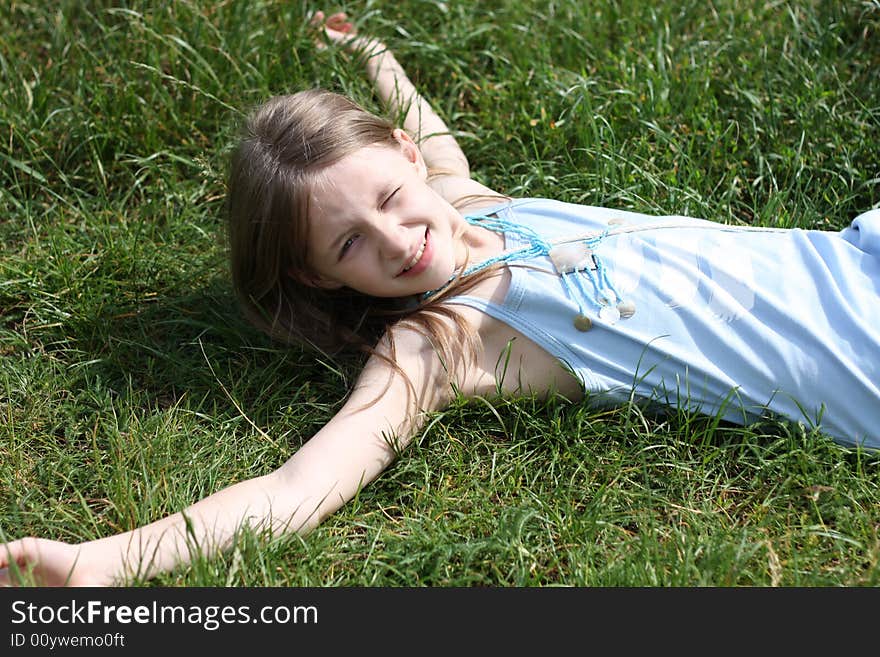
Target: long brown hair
[(287, 141)]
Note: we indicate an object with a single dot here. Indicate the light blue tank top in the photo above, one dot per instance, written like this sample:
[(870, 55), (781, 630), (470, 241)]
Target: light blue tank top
[(729, 321)]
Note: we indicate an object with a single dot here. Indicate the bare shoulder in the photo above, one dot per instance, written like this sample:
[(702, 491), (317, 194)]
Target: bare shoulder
[(411, 375), (466, 194), (405, 369), (507, 361), (429, 366)]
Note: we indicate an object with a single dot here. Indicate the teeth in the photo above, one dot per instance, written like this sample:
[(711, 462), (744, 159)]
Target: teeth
[(416, 257)]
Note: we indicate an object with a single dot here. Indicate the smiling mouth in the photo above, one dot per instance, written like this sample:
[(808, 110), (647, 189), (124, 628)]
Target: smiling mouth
[(418, 255)]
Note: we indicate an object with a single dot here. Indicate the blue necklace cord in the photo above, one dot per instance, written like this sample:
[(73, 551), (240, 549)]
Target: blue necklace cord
[(611, 305)]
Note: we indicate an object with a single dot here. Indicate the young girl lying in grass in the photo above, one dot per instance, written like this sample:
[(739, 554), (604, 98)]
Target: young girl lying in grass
[(349, 232)]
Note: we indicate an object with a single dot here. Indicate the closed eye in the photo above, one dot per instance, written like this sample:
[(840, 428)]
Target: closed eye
[(389, 198)]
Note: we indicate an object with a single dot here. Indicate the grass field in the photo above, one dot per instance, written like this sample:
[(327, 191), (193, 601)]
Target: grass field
[(130, 386)]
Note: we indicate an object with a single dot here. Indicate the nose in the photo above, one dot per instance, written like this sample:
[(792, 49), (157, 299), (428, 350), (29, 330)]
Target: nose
[(393, 240)]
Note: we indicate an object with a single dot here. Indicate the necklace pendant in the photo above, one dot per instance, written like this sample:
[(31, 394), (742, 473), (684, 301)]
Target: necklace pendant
[(626, 309), (609, 314), (572, 256), (583, 323)]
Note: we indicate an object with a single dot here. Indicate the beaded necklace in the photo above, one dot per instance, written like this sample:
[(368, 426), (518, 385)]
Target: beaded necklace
[(570, 257)]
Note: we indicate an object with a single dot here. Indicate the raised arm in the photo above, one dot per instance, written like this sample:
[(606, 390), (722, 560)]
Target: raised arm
[(358, 443), (439, 148)]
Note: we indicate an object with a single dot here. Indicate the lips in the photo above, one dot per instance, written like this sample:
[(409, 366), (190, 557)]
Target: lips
[(416, 257), (420, 259)]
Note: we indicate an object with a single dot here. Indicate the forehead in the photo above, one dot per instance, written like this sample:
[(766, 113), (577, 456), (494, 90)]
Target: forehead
[(355, 178), (367, 160)]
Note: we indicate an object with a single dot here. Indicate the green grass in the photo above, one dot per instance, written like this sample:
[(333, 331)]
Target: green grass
[(130, 386)]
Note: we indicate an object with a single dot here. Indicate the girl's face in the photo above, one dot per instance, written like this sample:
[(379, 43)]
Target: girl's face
[(378, 228)]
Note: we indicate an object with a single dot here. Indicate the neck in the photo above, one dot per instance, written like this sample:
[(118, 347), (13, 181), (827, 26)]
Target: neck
[(477, 244)]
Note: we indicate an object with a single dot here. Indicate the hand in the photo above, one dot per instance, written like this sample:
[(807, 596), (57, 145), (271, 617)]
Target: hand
[(340, 31), (40, 562), (336, 27)]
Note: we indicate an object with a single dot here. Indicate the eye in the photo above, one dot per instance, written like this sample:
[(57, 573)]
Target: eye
[(389, 198), (347, 245)]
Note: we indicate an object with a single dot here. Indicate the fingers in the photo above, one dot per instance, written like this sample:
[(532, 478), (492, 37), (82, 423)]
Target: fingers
[(10, 578), (337, 22), (10, 553), (12, 557)]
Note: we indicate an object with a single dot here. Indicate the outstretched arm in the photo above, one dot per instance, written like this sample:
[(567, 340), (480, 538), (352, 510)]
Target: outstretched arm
[(360, 441), (439, 148)]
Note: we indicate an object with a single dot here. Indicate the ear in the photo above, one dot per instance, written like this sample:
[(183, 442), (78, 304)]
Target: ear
[(411, 150)]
